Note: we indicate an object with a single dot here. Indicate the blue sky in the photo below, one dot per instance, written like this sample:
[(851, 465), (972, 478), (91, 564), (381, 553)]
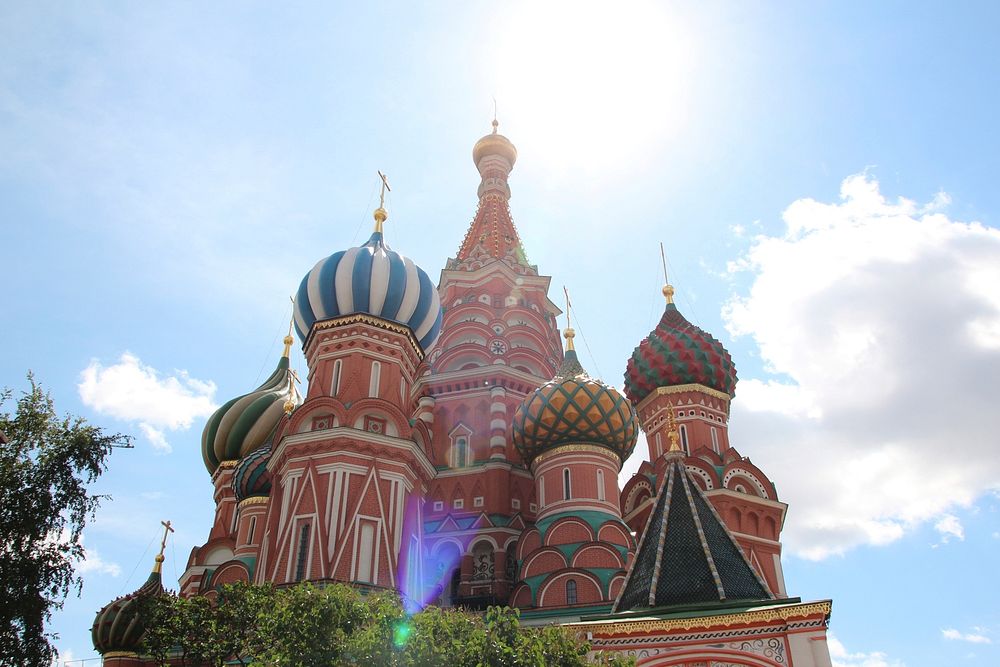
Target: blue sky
[(822, 175)]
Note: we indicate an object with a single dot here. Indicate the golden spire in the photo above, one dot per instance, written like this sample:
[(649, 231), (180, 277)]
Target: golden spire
[(380, 212), (672, 429), (668, 289), (163, 545), (288, 337), (569, 334), (495, 123)]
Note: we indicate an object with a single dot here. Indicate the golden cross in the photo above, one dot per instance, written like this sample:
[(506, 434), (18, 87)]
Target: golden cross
[(569, 334), (166, 529), (385, 186), (569, 322), (668, 289)]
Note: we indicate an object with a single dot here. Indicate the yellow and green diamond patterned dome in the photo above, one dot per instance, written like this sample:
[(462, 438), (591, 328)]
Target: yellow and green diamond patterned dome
[(574, 408)]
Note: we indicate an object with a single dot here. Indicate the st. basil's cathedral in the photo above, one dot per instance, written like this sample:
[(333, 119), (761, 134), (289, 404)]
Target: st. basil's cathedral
[(450, 447)]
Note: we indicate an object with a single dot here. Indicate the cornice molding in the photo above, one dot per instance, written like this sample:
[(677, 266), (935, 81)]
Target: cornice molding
[(749, 617)]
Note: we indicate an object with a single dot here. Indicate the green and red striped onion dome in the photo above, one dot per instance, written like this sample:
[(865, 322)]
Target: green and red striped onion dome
[(119, 625), (677, 352), (245, 423), (251, 477), (574, 408)]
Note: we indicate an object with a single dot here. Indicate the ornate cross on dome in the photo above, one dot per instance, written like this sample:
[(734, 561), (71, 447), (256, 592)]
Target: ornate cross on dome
[(668, 289), (569, 333), (163, 545), (385, 186), (380, 213)]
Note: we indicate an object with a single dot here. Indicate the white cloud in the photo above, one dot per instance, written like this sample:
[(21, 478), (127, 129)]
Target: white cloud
[(64, 657), (93, 563), (843, 658), (949, 526), (972, 637), (132, 391), (881, 320)]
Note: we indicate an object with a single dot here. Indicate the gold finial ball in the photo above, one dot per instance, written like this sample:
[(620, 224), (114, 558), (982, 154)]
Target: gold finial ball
[(495, 125), (159, 558), (288, 340), (380, 215), (289, 406), (569, 334), (668, 291)]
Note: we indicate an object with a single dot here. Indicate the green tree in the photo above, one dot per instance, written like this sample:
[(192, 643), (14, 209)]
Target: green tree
[(46, 465), (336, 626), (240, 607)]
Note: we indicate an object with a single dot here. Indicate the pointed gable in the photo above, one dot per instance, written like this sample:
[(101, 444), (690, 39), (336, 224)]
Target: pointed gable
[(686, 554)]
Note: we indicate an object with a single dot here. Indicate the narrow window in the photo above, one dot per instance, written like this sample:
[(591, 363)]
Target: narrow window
[(373, 385), (684, 439), (715, 439), (300, 567), (659, 444), (253, 525), (366, 553), (600, 485), (566, 492), (335, 380), (571, 591), (461, 452)]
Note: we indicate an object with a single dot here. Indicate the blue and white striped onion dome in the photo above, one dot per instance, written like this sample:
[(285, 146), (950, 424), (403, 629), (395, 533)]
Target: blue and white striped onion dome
[(373, 280)]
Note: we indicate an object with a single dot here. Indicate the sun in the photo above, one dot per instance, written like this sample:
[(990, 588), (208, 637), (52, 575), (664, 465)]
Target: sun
[(593, 85)]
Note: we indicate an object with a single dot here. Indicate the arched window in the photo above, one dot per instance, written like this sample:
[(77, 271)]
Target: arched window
[(300, 567), (253, 525), (571, 591), (600, 484), (715, 439), (376, 376), (335, 380), (461, 452), (541, 491), (482, 562), (566, 490), (684, 439)]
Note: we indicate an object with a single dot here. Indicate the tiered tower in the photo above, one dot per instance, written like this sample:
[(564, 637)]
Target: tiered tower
[(682, 373), (499, 342)]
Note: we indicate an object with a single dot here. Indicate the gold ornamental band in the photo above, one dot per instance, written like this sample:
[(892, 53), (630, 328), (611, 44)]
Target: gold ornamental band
[(591, 449), (252, 500), (375, 322), (743, 618), (680, 389)]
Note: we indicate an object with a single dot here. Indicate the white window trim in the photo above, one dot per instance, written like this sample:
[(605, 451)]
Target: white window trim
[(376, 377)]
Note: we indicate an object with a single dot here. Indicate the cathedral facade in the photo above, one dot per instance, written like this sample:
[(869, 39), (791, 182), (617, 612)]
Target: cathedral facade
[(450, 446)]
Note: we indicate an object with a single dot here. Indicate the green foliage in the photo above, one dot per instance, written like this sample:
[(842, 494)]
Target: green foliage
[(335, 625), (44, 505)]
